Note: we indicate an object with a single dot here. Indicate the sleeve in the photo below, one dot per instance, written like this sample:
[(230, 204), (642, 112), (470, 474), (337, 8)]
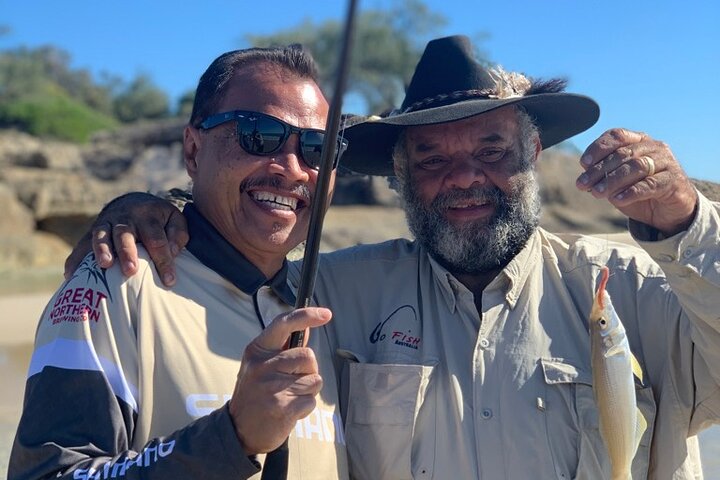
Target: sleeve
[(81, 403), (691, 263)]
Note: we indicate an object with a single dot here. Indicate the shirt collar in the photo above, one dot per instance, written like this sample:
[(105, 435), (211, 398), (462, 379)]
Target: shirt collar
[(510, 280), (216, 253), (519, 268), (449, 285)]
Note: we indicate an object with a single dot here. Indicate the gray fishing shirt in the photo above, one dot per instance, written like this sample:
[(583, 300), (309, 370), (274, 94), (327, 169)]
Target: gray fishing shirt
[(432, 388)]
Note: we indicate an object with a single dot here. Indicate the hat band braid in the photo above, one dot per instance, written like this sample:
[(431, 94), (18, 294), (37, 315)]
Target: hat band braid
[(445, 98)]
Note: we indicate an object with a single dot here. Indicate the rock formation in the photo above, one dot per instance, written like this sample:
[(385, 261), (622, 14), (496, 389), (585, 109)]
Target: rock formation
[(51, 192)]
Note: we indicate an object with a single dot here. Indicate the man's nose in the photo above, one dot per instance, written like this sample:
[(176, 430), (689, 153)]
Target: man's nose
[(465, 173), (288, 162)]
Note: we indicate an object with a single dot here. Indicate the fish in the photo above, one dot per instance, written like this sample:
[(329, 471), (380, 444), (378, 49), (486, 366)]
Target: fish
[(614, 368)]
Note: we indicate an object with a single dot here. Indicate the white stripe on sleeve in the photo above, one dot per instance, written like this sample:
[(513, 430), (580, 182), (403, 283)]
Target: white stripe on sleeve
[(81, 355)]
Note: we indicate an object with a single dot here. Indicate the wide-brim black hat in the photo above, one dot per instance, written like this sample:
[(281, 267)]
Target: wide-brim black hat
[(450, 84)]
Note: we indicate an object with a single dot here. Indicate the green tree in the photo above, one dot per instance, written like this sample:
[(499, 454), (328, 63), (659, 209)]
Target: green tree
[(387, 46), (141, 100), (41, 94), (53, 113), (20, 74), (25, 71)]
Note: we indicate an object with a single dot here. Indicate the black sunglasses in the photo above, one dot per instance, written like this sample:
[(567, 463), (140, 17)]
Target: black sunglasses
[(262, 134)]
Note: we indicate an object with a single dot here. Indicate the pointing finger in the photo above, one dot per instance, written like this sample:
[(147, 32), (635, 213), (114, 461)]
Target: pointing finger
[(274, 337)]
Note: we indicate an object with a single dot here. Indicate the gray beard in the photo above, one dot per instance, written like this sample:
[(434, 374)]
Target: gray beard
[(475, 247)]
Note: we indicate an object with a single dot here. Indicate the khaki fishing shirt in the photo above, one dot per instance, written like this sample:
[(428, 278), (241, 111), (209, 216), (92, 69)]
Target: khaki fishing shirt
[(130, 379), (433, 388)]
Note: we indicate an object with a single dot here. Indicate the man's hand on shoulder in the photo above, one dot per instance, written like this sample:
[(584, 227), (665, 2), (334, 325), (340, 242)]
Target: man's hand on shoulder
[(134, 217)]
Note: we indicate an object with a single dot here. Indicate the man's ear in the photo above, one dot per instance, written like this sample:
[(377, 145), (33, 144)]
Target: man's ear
[(191, 145)]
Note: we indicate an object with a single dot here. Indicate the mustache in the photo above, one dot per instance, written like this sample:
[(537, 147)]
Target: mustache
[(446, 200), (300, 189)]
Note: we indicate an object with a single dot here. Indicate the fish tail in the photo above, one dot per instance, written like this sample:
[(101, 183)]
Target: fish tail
[(636, 368), (640, 427)]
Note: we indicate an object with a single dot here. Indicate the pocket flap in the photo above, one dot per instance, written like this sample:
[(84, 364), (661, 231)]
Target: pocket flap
[(351, 356), (371, 415), (561, 370), (386, 393)]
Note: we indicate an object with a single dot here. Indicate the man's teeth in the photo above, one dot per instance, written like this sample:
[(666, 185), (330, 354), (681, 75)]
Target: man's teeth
[(280, 202), (468, 204)]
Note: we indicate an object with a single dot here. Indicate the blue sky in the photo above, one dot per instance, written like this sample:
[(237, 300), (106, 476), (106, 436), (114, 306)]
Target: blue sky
[(652, 66)]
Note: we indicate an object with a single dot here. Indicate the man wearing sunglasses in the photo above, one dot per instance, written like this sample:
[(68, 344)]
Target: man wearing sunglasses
[(467, 350), (135, 380), (263, 135)]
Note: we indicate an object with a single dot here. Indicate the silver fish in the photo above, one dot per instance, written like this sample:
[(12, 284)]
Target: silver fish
[(613, 367)]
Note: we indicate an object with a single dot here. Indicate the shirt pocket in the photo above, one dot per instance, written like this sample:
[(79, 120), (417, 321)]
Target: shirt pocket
[(573, 423), (384, 401)]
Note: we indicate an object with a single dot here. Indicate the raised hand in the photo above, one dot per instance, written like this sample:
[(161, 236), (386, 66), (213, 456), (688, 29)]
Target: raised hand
[(641, 177), (275, 387)]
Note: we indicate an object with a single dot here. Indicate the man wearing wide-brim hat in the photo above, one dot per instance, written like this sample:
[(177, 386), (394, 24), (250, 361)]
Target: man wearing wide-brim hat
[(466, 352), (469, 354), (449, 85)]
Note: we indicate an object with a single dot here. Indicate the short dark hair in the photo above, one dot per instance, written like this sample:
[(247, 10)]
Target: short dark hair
[(212, 85)]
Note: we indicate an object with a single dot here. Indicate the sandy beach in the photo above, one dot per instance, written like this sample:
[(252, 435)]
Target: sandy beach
[(17, 324), (19, 316)]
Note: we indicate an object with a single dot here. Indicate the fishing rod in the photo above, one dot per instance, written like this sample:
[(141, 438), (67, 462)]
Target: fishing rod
[(277, 462), (329, 151)]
